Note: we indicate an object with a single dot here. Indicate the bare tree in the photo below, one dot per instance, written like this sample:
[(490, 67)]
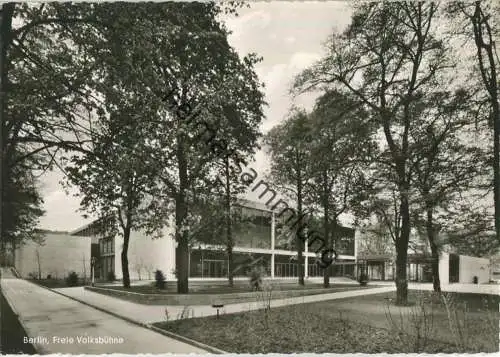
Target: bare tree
[(388, 57)]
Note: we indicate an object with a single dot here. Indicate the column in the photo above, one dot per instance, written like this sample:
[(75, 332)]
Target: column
[(356, 246), (306, 261), (272, 243)]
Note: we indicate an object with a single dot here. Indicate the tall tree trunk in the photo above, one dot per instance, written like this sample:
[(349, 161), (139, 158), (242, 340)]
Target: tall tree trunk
[(482, 29), (496, 167), (124, 257), (431, 235), (182, 263), (181, 213), (299, 233), (402, 252), (229, 231), (39, 265), (326, 223), (5, 39)]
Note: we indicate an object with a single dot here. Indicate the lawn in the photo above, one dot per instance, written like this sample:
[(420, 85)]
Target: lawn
[(207, 295), (223, 289), (368, 324)]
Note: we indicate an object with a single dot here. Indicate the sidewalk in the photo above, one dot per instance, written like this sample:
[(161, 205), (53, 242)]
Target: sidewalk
[(155, 313), (57, 325), (493, 289)]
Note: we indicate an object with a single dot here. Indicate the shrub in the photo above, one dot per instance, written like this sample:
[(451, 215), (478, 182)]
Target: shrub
[(363, 279), (49, 276), (255, 275), (72, 279), (111, 276), (159, 279), (414, 328), (475, 280)]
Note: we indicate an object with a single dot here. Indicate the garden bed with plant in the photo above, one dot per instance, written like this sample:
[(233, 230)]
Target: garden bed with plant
[(162, 293), (369, 324), (151, 295), (71, 280)]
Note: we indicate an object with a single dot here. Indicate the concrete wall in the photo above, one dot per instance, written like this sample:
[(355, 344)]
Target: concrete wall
[(472, 266), (60, 254), (444, 268), (146, 254)]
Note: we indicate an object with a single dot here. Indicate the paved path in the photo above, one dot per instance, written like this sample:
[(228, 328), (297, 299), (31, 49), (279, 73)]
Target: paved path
[(493, 289), (155, 313), (52, 319)]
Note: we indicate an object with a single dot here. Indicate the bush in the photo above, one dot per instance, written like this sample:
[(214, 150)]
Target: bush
[(159, 279), (363, 279), (72, 279), (475, 280), (111, 276), (255, 275), (49, 276)]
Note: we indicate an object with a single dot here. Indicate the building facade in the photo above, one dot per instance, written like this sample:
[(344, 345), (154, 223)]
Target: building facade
[(453, 268), (56, 256), (262, 242)]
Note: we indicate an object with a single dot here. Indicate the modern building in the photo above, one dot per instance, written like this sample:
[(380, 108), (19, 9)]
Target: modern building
[(453, 268), (263, 242)]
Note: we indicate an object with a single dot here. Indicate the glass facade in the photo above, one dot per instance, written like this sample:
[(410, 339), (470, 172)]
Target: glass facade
[(339, 268), (107, 257), (214, 263), (253, 229), (285, 266), (285, 239), (344, 242)]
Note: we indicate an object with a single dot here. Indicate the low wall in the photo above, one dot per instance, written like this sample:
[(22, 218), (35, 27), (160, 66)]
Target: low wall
[(208, 299)]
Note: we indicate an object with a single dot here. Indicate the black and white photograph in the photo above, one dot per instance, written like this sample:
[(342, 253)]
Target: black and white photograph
[(249, 177)]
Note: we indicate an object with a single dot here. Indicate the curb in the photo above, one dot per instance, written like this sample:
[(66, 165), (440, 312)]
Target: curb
[(38, 348), (148, 326), (187, 340)]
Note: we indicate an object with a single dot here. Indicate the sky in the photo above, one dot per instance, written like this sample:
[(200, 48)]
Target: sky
[(288, 35)]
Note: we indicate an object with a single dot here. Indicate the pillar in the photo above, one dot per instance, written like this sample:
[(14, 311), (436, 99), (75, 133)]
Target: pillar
[(273, 229), (306, 261)]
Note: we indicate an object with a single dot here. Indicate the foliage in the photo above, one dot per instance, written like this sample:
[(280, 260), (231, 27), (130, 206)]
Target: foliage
[(340, 144), (477, 23), (389, 58), (256, 276), (288, 145), (45, 80), (181, 95), (72, 279), (21, 206), (472, 232)]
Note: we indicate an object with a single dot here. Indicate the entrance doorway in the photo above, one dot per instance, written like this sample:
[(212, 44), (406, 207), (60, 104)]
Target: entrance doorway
[(214, 268), (454, 268)]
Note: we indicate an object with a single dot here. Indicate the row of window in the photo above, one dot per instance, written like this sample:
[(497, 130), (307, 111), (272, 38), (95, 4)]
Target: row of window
[(214, 264), (107, 246), (386, 271), (107, 266)]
